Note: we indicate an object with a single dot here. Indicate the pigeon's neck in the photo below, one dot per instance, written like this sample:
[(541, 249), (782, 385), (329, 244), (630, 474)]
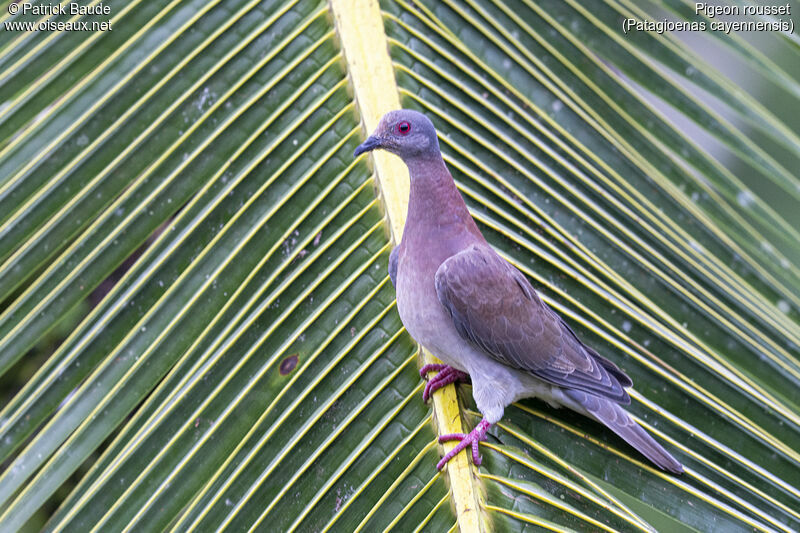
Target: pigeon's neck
[(436, 210)]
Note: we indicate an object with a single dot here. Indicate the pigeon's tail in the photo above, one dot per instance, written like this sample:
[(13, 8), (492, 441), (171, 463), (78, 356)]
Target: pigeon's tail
[(619, 421)]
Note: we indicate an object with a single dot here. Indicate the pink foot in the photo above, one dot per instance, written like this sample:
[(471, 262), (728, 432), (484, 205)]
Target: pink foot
[(446, 376), (471, 439), (423, 372)]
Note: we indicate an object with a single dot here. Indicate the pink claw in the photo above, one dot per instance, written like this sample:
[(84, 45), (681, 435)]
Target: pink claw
[(471, 439), (446, 376), (423, 372)]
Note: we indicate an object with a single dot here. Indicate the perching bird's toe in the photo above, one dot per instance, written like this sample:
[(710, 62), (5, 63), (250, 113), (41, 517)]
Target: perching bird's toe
[(433, 367), (446, 376), (470, 439)]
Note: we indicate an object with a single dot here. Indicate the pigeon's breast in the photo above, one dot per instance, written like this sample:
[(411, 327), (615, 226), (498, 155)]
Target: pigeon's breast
[(423, 316)]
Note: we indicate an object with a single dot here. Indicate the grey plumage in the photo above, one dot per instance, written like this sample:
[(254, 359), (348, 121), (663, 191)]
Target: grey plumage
[(480, 315)]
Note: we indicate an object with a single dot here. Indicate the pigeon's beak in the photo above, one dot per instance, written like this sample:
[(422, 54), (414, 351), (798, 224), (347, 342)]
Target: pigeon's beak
[(370, 144)]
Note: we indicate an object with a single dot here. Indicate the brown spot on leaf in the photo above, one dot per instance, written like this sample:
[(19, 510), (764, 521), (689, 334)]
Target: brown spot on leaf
[(288, 364)]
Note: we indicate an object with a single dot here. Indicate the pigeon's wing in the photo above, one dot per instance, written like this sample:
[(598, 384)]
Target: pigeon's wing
[(495, 307), (393, 265)]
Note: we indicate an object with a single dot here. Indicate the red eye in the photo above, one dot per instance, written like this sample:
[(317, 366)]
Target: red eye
[(403, 128)]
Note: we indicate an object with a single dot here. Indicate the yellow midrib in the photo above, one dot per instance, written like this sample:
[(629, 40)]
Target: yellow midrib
[(359, 25)]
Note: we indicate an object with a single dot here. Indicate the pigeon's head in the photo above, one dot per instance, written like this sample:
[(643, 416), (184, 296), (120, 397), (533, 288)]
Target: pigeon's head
[(405, 133)]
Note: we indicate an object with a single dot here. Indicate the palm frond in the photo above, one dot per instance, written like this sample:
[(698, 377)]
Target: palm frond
[(242, 364)]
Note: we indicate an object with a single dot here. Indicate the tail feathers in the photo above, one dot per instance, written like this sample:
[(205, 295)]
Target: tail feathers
[(619, 421)]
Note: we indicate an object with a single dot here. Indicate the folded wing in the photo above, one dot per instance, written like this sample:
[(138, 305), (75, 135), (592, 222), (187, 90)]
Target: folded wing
[(495, 307)]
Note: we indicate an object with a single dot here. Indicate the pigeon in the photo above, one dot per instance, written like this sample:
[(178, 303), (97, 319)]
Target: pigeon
[(463, 302)]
